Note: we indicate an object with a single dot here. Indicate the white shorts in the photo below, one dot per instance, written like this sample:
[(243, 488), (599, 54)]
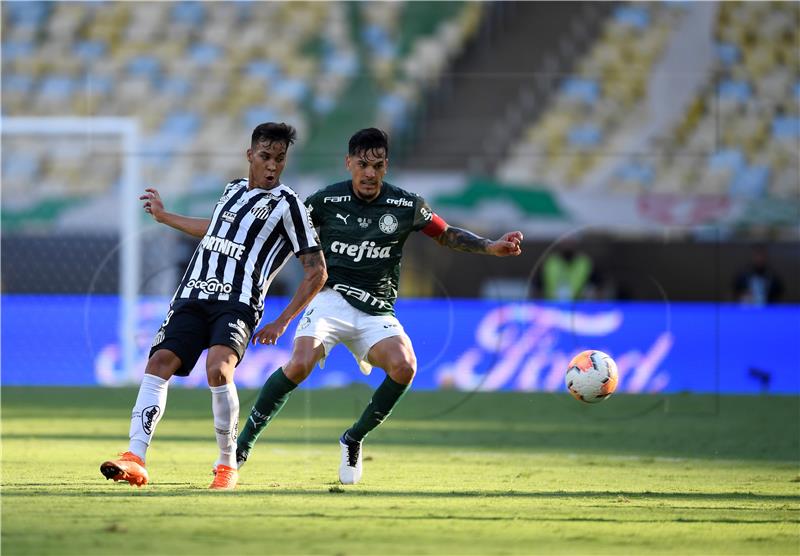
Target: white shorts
[(331, 319)]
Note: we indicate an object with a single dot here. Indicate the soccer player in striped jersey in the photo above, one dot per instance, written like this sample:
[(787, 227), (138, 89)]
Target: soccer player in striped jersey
[(256, 225), (363, 223)]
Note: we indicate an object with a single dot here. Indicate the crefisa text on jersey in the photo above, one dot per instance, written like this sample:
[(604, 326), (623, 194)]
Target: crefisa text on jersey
[(400, 202), (367, 249)]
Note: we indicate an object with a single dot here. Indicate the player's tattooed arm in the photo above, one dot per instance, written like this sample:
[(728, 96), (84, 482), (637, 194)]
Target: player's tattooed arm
[(316, 274), (464, 240), (314, 263)]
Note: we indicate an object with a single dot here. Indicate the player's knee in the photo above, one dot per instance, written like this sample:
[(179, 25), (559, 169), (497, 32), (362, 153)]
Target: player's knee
[(403, 371), (219, 374), (162, 364), (299, 367)]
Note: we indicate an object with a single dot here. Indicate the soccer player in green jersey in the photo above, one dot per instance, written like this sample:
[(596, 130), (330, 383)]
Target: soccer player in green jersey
[(363, 223)]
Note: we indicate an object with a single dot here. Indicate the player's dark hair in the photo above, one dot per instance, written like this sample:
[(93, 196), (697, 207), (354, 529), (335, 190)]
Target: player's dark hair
[(270, 132), (369, 139)]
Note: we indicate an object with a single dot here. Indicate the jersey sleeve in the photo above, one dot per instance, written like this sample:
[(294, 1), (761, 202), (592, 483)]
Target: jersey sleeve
[(314, 209), (426, 220), (228, 191), (232, 185), (299, 228), (422, 213)]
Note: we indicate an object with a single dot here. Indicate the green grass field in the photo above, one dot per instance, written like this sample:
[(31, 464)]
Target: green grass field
[(487, 474)]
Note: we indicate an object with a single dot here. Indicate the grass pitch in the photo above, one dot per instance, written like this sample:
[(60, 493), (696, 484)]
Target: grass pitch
[(447, 474)]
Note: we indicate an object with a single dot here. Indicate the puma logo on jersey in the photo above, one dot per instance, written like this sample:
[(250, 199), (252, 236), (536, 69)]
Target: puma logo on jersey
[(342, 218)]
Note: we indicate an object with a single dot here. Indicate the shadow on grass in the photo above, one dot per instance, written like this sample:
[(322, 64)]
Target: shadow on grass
[(186, 489)]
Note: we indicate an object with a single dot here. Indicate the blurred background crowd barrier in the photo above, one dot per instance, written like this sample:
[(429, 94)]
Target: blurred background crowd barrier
[(650, 152)]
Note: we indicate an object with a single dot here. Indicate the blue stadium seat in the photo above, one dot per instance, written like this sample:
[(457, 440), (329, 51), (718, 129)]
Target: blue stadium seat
[(28, 13), (750, 183), (323, 103), (144, 65), (189, 13), (89, 51), (582, 89), (175, 86), (16, 49), (204, 54), (737, 90), (17, 83), (294, 89), (727, 159), (98, 84), (57, 87), (585, 135), (22, 167), (395, 108), (379, 41), (636, 171), (728, 53), (786, 127), (632, 16), (344, 65), (265, 69)]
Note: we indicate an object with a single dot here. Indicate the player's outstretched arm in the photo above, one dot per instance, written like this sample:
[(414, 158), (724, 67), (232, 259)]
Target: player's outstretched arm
[(316, 274), (154, 206), (464, 240)]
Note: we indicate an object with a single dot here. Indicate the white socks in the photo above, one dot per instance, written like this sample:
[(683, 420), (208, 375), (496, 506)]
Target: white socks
[(225, 405), (149, 409), (147, 413)]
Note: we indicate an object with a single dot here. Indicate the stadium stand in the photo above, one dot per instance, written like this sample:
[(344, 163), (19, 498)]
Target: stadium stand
[(195, 74), (736, 137), (602, 99)]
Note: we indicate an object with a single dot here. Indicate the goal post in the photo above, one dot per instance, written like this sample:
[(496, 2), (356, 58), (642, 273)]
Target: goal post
[(127, 129)]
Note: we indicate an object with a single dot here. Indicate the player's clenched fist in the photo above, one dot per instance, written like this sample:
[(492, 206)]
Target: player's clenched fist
[(153, 205), (506, 246)]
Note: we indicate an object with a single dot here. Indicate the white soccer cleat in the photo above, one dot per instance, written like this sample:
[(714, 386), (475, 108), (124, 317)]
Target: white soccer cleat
[(351, 468)]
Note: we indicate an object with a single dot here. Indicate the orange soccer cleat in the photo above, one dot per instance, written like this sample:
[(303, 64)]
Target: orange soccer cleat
[(225, 478), (129, 467)]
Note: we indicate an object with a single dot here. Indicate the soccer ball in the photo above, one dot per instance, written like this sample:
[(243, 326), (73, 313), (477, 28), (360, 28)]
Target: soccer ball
[(591, 376)]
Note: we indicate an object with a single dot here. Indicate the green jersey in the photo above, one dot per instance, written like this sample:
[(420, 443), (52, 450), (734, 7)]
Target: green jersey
[(363, 241)]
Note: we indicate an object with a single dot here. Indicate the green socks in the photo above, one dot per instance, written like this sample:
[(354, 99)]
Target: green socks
[(270, 400), (380, 406)]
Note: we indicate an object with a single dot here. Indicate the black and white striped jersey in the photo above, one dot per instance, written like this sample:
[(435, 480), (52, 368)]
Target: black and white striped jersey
[(251, 235)]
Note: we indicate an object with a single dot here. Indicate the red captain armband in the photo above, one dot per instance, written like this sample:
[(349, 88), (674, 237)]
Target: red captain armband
[(435, 227)]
